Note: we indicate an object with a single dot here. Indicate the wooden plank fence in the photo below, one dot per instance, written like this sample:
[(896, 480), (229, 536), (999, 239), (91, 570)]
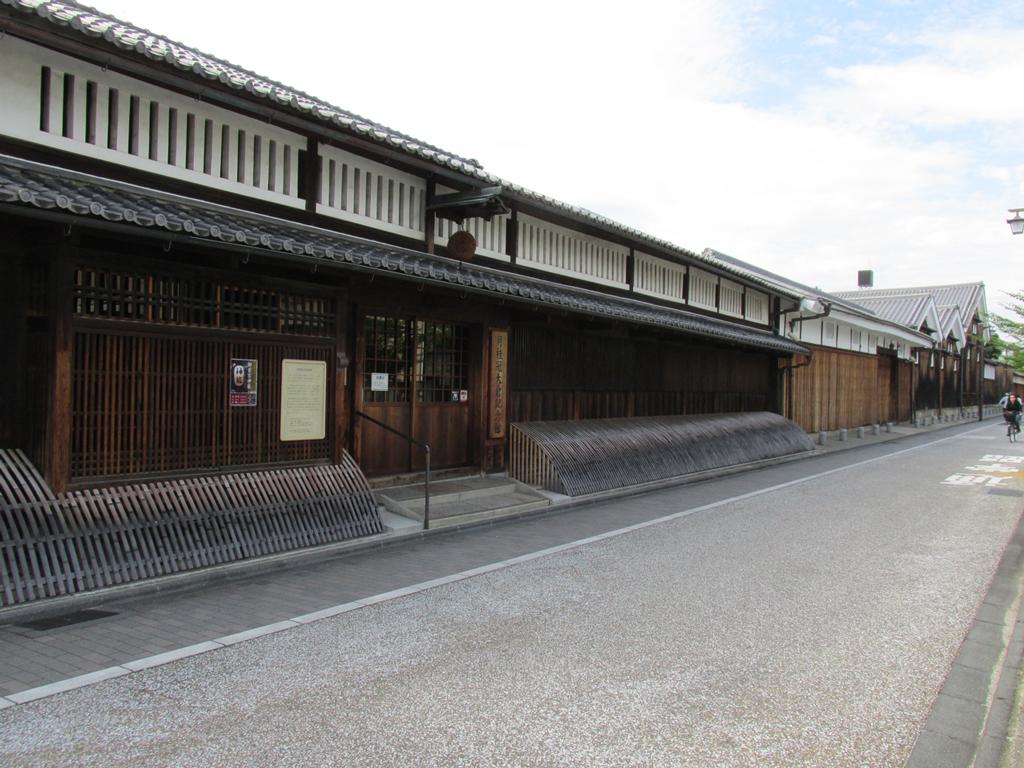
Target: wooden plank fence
[(89, 539)]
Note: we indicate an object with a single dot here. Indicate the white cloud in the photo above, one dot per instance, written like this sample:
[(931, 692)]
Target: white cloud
[(969, 76)]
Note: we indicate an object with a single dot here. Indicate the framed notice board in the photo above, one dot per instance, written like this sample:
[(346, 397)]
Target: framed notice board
[(303, 400)]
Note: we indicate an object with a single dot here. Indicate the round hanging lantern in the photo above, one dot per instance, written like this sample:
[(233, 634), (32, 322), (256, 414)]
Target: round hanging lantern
[(462, 246)]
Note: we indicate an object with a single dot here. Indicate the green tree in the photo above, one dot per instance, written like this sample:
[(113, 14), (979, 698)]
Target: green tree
[(1010, 345)]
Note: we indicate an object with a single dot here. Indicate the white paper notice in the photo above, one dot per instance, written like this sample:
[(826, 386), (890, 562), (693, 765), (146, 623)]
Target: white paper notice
[(303, 400)]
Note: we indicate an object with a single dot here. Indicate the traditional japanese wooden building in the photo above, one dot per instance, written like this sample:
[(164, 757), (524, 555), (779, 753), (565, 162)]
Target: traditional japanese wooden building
[(206, 274), (862, 368), (950, 372)]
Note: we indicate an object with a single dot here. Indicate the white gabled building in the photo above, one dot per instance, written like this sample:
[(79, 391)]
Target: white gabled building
[(953, 375), (862, 364)]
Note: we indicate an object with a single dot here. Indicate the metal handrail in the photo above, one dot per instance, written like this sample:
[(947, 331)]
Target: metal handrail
[(426, 461)]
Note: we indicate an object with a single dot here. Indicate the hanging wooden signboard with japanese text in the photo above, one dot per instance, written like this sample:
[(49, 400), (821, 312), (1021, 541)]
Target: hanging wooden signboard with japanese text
[(497, 411)]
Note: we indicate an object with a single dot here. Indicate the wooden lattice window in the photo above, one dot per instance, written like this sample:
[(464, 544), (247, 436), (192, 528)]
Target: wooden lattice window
[(144, 296), (148, 403), (387, 352), (441, 367)]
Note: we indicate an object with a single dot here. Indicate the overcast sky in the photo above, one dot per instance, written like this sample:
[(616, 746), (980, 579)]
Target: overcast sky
[(811, 138)]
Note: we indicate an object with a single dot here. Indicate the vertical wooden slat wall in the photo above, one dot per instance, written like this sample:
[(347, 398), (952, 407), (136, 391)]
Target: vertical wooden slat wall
[(146, 404), (557, 374), (839, 389), (150, 368)]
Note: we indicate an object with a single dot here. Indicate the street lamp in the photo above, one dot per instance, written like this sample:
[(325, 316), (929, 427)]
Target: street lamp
[(1017, 221)]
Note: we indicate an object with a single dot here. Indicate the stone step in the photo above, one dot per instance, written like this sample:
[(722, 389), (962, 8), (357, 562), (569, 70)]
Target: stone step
[(460, 501), (412, 497), (471, 510)]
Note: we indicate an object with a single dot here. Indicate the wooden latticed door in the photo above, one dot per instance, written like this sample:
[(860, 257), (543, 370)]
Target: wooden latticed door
[(414, 377)]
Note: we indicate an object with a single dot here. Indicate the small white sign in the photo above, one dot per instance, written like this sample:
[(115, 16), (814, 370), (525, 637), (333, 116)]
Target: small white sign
[(378, 382)]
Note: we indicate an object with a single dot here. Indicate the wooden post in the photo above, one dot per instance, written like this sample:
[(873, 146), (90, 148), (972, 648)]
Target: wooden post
[(356, 333), (915, 379), (12, 345), (512, 236), (58, 426), (411, 354), (778, 384), (895, 378), (428, 218), (962, 382), (311, 190), (342, 363), (981, 373)]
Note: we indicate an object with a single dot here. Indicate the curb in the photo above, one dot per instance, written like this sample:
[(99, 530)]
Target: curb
[(969, 722)]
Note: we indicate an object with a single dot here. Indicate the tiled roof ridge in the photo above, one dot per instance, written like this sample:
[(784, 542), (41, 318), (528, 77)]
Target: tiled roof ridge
[(842, 302), (94, 23), (886, 293), (967, 297), (903, 297), (930, 289), (911, 308), (763, 276), (767, 277)]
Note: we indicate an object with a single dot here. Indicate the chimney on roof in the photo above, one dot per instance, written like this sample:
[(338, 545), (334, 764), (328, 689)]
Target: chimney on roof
[(865, 278)]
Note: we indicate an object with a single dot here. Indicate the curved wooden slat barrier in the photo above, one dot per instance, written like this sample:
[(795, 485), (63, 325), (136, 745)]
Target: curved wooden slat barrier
[(581, 457), (84, 540), (20, 481)]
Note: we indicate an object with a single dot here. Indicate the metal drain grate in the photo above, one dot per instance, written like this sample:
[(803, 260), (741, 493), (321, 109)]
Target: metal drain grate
[(67, 619)]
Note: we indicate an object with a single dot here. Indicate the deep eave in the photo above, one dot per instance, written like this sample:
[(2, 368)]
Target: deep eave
[(26, 184)]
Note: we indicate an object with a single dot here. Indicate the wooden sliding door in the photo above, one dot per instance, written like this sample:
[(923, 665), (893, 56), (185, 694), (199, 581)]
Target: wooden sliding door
[(414, 376)]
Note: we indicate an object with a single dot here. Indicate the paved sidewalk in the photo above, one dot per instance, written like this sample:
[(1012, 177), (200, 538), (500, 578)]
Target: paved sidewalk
[(126, 632)]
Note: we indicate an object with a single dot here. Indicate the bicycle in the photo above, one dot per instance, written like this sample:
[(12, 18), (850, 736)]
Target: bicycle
[(1012, 428)]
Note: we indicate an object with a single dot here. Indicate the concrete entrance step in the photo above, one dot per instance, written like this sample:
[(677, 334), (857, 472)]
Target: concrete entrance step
[(454, 502)]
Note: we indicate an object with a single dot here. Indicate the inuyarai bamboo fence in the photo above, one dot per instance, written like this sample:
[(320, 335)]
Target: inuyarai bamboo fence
[(85, 540), (581, 457)]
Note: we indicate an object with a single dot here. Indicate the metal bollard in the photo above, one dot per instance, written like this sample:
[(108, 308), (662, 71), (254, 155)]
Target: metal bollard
[(860, 431), (822, 438), (874, 429), (842, 435), (888, 426)]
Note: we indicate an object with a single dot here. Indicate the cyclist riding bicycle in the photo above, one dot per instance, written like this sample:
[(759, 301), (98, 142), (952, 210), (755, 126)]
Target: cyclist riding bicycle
[(1012, 411)]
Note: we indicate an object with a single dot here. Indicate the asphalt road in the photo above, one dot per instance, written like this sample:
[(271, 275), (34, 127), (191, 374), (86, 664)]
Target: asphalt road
[(812, 624)]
